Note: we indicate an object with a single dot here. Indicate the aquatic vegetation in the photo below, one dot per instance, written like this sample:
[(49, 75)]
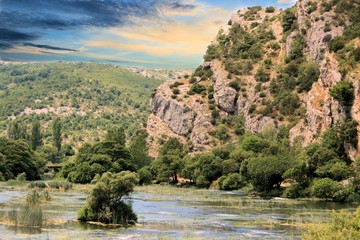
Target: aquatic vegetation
[(343, 226)]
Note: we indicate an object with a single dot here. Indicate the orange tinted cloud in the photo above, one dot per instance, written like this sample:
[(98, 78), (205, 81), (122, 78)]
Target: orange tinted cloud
[(187, 35)]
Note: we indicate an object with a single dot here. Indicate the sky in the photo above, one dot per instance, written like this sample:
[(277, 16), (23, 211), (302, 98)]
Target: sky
[(150, 33)]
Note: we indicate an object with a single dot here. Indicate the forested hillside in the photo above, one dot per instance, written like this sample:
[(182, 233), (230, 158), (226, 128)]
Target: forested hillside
[(88, 98)]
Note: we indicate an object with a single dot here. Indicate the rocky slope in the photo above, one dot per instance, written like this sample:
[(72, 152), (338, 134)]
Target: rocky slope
[(271, 67)]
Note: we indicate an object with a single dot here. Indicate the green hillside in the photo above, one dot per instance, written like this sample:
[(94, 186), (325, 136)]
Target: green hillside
[(88, 97)]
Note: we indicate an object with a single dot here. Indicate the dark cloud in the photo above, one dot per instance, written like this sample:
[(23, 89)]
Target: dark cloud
[(43, 15), (10, 35), (11, 38), (48, 47), (62, 14), (181, 6)]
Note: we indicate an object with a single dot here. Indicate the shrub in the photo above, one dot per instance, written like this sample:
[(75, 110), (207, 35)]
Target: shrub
[(274, 46), (288, 19), (297, 48), (312, 7), (295, 190), (337, 43), (213, 52), (107, 201), (37, 184), (231, 182), (356, 54), (343, 226), (145, 176), (343, 92), (270, 9), (211, 92), (176, 91), (235, 85), (197, 89), (202, 182), (324, 188), (215, 113), (308, 74), (262, 76), (176, 84)]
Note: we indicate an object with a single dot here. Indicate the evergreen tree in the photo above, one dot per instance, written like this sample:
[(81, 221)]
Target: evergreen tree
[(18, 131), (36, 136), (139, 151), (57, 127), (116, 134)]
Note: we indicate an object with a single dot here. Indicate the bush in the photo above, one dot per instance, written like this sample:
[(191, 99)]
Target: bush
[(145, 176), (108, 202), (197, 89), (337, 43), (308, 74), (324, 188), (235, 85), (231, 182), (38, 184), (288, 20), (343, 92), (295, 190), (343, 226), (202, 182), (213, 52), (356, 54), (262, 76), (270, 9)]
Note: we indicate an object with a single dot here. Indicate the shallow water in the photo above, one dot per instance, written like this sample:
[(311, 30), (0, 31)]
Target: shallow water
[(217, 215)]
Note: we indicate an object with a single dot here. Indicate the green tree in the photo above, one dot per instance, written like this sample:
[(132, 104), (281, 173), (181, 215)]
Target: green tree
[(57, 131), (344, 93), (36, 135), (324, 188), (265, 172), (109, 201), (17, 157), (116, 134), (18, 131), (138, 150), (288, 19)]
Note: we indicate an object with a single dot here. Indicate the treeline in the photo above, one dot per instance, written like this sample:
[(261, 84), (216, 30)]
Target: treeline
[(110, 155), (264, 162), (24, 152)]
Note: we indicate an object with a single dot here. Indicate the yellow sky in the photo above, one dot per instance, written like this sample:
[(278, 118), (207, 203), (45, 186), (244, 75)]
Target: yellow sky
[(172, 35)]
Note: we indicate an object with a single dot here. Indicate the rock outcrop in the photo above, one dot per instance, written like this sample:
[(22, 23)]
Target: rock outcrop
[(179, 118), (198, 119)]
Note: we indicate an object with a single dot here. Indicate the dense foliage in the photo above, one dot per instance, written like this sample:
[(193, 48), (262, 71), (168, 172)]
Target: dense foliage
[(343, 226), (17, 157), (109, 200), (110, 155), (89, 98)]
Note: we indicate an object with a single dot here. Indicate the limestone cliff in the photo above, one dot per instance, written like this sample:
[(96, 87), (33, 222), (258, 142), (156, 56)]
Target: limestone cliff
[(271, 67)]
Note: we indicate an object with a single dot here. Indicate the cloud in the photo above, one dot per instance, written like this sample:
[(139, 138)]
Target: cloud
[(286, 1), (43, 16), (185, 36), (10, 38), (10, 35), (62, 14), (49, 47)]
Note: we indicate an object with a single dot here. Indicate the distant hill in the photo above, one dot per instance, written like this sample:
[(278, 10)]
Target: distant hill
[(89, 97)]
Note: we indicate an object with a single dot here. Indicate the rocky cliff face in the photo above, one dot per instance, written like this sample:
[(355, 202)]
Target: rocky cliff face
[(243, 67)]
